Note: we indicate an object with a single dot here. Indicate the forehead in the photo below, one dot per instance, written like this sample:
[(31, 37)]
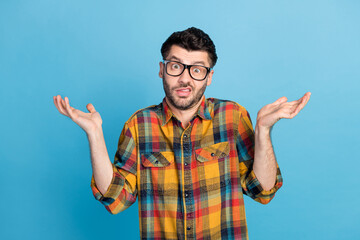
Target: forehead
[(188, 57)]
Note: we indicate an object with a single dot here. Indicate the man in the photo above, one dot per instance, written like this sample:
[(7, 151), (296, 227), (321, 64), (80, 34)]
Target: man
[(189, 159)]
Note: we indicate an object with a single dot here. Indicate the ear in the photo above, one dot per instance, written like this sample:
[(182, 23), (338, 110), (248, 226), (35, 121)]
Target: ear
[(210, 77), (161, 71)]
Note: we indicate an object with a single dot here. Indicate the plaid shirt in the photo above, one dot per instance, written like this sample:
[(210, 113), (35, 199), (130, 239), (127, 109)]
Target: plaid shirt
[(190, 182)]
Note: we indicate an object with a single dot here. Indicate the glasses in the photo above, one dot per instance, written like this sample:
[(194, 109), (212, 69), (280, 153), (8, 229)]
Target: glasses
[(197, 72)]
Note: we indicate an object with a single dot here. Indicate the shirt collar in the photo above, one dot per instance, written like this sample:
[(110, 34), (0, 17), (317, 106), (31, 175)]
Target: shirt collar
[(203, 111)]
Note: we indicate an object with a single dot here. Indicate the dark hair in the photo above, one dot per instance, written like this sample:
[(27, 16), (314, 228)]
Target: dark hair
[(191, 39)]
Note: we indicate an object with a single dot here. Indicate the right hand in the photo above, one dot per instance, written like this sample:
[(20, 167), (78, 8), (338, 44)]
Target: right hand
[(89, 122)]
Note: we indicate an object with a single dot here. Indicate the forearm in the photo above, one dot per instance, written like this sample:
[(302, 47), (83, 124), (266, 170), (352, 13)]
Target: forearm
[(100, 161), (265, 166)]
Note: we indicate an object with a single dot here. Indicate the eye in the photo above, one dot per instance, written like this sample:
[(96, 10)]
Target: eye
[(175, 66), (196, 70)]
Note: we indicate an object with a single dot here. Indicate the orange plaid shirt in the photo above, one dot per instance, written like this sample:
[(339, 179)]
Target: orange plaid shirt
[(189, 182)]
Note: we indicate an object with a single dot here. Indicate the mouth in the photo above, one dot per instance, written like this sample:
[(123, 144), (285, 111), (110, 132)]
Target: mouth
[(183, 92)]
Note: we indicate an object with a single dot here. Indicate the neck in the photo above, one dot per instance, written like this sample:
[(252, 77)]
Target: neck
[(184, 116)]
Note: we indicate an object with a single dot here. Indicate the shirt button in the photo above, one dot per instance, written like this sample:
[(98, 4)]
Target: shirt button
[(185, 164), (185, 136), (212, 154), (188, 228), (186, 195)]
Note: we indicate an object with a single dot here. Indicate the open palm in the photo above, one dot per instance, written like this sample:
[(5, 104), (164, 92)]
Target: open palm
[(271, 113), (87, 121)]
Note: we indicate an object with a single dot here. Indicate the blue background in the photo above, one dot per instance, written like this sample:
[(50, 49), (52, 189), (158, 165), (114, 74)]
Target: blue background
[(107, 53)]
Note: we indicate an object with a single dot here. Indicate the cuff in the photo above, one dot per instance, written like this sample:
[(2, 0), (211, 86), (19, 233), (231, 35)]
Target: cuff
[(113, 191), (261, 195), (263, 192)]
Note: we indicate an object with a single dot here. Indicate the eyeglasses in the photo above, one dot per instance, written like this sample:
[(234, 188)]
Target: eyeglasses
[(197, 72)]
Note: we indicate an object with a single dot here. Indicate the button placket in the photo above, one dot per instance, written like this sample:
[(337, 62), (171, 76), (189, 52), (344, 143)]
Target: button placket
[(189, 205), (186, 146)]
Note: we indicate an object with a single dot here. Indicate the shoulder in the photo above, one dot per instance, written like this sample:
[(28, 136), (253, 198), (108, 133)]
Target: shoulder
[(222, 106), (145, 114)]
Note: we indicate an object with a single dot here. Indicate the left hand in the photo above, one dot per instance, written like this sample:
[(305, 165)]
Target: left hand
[(273, 112)]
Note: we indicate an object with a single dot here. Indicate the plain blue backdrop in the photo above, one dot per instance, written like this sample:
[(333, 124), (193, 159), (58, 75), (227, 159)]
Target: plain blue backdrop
[(107, 53)]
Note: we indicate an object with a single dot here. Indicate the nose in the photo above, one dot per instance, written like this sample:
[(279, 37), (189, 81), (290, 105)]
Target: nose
[(185, 76)]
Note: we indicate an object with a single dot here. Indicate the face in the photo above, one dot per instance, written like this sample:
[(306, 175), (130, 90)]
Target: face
[(183, 92)]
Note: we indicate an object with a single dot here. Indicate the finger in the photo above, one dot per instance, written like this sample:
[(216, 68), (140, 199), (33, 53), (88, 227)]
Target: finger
[(63, 103), (308, 97), (293, 107), (90, 108), (296, 102), (302, 101), (286, 110), (307, 94), (280, 100), (68, 108), (61, 106), (305, 100), (288, 107), (56, 105), (295, 111), (64, 107)]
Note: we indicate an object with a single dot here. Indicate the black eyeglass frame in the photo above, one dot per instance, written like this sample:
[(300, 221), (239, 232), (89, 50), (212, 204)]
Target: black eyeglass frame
[(188, 68)]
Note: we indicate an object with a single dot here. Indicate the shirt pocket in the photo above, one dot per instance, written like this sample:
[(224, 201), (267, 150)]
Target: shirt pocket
[(213, 166), (158, 175), (213, 152), (157, 159)]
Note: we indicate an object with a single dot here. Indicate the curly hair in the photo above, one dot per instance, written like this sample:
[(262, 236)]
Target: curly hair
[(191, 39)]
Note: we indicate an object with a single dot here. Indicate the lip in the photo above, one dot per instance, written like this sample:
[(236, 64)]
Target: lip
[(183, 92)]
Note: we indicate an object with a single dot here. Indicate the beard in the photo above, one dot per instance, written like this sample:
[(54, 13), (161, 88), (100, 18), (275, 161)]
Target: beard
[(184, 103)]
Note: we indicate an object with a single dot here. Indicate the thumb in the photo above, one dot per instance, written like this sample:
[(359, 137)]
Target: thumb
[(281, 100), (90, 108)]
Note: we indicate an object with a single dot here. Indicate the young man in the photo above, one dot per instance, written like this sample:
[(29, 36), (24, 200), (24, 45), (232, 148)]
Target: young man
[(189, 159)]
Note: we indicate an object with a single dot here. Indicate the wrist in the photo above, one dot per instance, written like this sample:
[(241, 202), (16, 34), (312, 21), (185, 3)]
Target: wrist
[(262, 129), (95, 133)]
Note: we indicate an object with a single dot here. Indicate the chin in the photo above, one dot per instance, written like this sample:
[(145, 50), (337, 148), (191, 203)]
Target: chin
[(184, 106), (184, 101)]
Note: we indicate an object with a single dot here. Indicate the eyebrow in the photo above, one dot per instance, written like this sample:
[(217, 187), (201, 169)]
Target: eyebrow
[(193, 63)]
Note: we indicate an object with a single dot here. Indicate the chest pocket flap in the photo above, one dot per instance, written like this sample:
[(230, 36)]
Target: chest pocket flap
[(213, 152), (157, 159)]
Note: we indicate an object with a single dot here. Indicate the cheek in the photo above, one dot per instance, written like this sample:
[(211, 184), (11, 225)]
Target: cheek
[(199, 85), (172, 82), (167, 83)]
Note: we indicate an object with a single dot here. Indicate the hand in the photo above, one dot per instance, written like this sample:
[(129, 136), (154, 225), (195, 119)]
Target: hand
[(87, 121), (273, 112)]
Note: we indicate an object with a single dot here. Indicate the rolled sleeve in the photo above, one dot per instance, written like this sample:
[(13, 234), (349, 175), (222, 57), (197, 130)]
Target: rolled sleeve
[(252, 187), (120, 194), (122, 191)]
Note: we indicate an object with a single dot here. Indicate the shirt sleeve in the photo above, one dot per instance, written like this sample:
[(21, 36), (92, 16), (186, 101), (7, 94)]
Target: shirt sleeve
[(246, 149), (122, 191)]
